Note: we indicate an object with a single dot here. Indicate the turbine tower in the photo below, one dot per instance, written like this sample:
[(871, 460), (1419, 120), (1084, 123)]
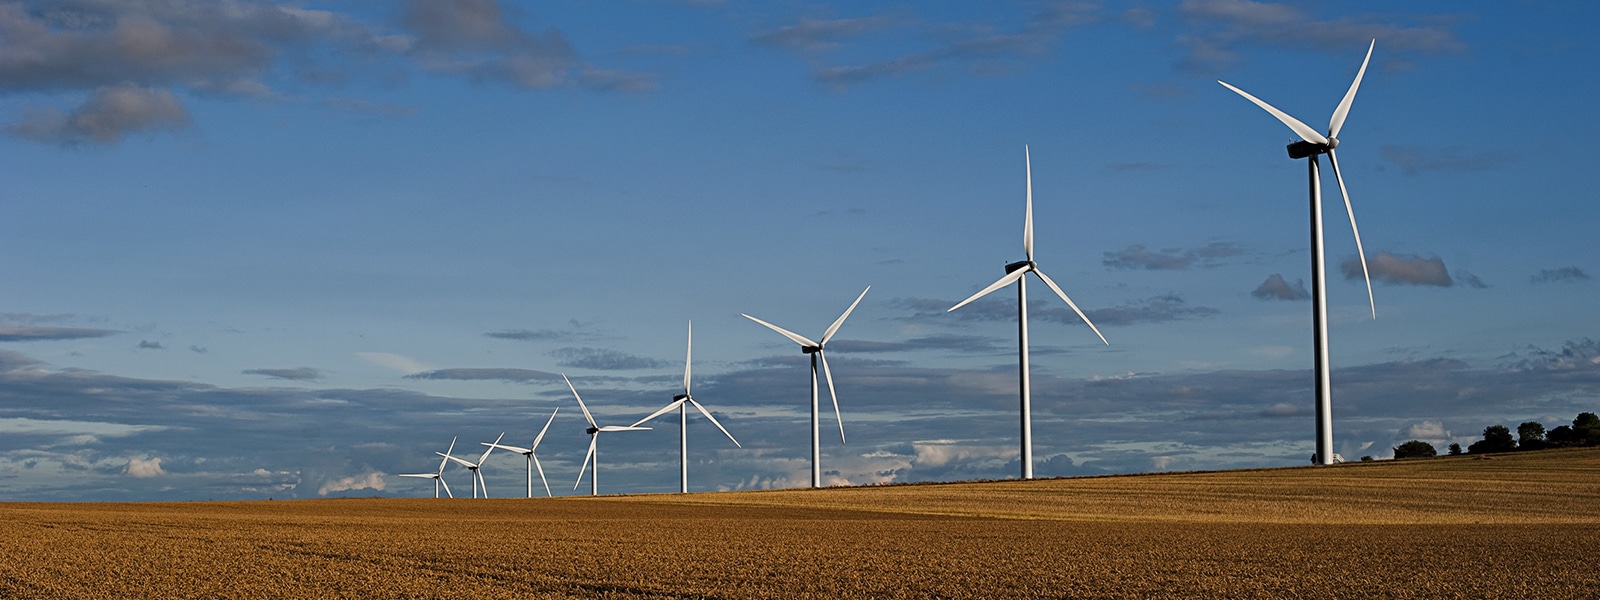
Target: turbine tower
[(1016, 272), (533, 460), (594, 432), (1311, 145), (815, 350), (437, 477), (475, 467), (682, 402)]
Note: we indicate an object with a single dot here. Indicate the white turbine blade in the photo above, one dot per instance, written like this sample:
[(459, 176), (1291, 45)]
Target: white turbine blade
[(483, 485), (490, 448), (1027, 220), (797, 338), (446, 488), (707, 413), (462, 462), (829, 375), (540, 467), (1305, 131), (586, 415), (610, 428), (664, 410), (1057, 289), (999, 283), (688, 359), (417, 475), (539, 437), (510, 448), (586, 457), (442, 461), (1337, 122), (834, 328), (1371, 302)]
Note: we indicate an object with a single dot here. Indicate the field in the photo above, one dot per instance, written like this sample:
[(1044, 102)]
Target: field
[(1523, 525)]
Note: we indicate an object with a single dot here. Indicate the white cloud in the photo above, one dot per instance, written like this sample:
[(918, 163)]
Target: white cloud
[(399, 363), (143, 469), (371, 481)]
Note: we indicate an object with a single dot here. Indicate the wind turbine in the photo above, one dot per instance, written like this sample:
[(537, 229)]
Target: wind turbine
[(1015, 272), (1312, 144), (438, 477), (815, 350), (594, 436), (682, 402), (533, 461), (474, 467)]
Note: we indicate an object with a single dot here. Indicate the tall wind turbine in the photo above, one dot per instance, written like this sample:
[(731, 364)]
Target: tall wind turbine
[(815, 350), (533, 461), (475, 467), (1311, 145), (1015, 272), (437, 477), (682, 402), (594, 432)]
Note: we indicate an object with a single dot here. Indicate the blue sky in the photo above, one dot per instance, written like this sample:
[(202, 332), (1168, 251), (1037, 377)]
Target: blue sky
[(257, 249)]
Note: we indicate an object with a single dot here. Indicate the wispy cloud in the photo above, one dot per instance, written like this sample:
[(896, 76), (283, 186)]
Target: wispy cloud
[(1401, 269), (1215, 29), (403, 364), (493, 374), (28, 333), (295, 374), (149, 345), (1276, 288), (1171, 259), (820, 35), (1561, 274), (604, 359), (1416, 160)]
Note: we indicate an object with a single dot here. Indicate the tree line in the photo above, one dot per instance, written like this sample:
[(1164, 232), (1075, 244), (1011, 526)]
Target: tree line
[(1584, 431)]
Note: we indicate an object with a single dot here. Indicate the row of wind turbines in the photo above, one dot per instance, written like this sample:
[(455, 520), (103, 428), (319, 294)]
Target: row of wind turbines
[(1313, 144)]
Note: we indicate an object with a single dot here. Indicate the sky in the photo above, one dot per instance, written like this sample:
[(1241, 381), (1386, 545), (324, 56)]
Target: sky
[(255, 249)]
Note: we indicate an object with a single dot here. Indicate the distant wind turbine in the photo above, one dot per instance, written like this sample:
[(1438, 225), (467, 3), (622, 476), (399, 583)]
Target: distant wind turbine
[(1015, 273), (437, 477), (1313, 144), (533, 460), (815, 350), (594, 432), (475, 467), (682, 403)]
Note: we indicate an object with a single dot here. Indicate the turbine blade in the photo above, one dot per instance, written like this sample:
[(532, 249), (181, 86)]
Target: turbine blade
[(829, 375), (1337, 122), (707, 413), (586, 457), (1057, 289), (610, 428), (547, 423), (546, 483), (664, 410), (999, 283), (446, 488), (510, 448), (834, 328), (1027, 220), (688, 359), (1304, 131), (797, 338), (462, 462), (491, 448), (483, 485), (417, 475), (1371, 302), (586, 415)]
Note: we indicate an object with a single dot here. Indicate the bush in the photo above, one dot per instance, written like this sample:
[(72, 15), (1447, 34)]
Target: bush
[(1496, 438), (1415, 449)]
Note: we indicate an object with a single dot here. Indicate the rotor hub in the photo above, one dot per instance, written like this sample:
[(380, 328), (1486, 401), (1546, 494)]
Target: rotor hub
[(1012, 268), (592, 430)]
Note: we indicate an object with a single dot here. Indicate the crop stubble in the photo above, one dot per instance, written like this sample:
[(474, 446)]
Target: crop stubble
[(1516, 526)]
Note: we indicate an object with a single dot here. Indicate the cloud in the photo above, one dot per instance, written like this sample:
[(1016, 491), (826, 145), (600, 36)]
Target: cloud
[(818, 35), (1470, 280), (370, 481), (149, 345), (26, 333), (493, 374), (1415, 160), (474, 39), (295, 374), (1561, 274), (198, 349), (575, 331), (1401, 270), (106, 117), (1432, 432), (144, 468), (1217, 28), (604, 359), (1168, 307), (1275, 288), (396, 362), (1171, 259)]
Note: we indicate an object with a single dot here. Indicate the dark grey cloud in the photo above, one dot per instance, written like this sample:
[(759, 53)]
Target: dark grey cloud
[(32, 333), (575, 331), (1561, 274), (1415, 160), (109, 114), (604, 359), (493, 374), (1216, 29), (149, 345), (1171, 259), (475, 39), (295, 374), (1408, 269), (1168, 307), (1276, 288), (818, 35), (1470, 280)]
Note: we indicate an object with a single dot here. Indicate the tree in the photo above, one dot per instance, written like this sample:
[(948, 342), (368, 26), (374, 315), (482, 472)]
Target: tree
[(1455, 449), (1415, 449), (1587, 428), (1496, 438), (1530, 436), (1562, 435)]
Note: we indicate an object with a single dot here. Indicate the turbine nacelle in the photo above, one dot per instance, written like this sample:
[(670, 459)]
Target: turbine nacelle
[(810, 349), (1303, 149), (592, 430), (1021, 264)]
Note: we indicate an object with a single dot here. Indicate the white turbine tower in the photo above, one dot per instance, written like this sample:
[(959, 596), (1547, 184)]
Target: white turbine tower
[(815, 350), (476, 467), (533, 460), (437, 477), (682, 403), (1313, 144), (1015, 272), (594, 432)]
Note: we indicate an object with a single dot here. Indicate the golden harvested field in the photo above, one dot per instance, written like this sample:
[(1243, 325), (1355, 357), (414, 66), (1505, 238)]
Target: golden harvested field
[(1523, 525)]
